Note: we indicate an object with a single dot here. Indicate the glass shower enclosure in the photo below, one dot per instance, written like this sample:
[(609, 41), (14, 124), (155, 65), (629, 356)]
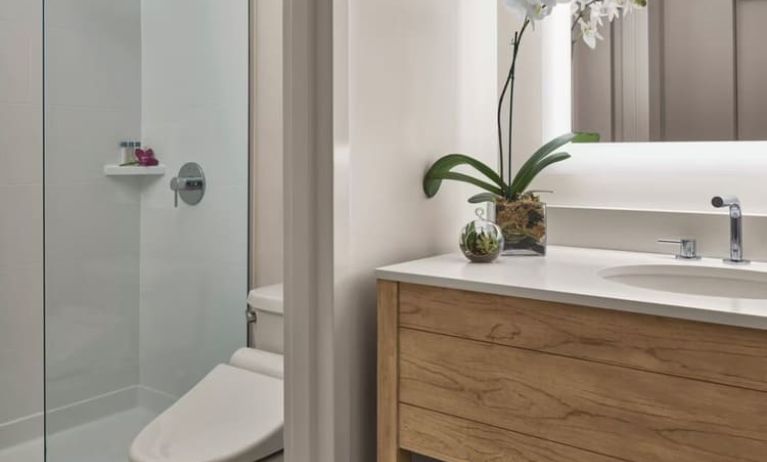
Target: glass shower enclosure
[(117, 293)]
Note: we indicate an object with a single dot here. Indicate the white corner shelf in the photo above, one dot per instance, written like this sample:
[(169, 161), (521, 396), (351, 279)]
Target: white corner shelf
[(116, 170)]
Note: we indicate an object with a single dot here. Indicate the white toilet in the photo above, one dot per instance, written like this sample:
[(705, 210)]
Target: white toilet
[(234, 414)]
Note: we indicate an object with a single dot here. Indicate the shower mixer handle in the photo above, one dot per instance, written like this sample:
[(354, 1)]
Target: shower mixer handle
[(189, 184), (185, 184)]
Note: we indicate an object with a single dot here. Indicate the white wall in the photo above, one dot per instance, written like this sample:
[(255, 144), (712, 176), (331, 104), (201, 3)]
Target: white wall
[(21, 233), (194, 259), (420, 83), (266, 200)]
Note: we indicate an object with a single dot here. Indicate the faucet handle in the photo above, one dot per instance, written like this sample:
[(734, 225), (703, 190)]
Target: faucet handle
[(688, 248)]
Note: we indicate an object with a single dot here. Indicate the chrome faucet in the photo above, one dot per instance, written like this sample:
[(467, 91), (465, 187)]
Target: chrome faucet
[(736, 227)]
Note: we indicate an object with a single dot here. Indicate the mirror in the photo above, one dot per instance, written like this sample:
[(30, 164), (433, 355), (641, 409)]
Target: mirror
[(678, 70)]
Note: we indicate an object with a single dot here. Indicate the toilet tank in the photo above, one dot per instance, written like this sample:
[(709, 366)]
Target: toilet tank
[(267, 303)]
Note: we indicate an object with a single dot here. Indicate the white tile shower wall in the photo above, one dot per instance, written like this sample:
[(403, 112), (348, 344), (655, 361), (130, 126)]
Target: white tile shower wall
[(21, 231), (194, 259), (93, 72)]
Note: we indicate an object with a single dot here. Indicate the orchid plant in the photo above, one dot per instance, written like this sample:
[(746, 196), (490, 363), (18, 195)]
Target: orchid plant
[(587, 17), (590, 15)]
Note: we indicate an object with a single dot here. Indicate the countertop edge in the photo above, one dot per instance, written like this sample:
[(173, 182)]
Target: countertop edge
[(704, 315)]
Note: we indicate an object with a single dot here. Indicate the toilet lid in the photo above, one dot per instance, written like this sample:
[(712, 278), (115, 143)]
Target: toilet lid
[(232, 415)]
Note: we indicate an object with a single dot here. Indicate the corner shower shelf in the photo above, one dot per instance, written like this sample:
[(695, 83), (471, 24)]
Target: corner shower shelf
[(116, 170)]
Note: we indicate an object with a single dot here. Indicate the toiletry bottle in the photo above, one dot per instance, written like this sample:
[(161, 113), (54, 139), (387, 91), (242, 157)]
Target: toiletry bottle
[(124, 152), (131, 152)]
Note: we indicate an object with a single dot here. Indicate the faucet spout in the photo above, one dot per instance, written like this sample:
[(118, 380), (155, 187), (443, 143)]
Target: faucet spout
[(736, 226)]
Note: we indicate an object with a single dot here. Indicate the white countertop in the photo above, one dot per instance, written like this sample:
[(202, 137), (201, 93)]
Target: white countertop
[(571, 275)]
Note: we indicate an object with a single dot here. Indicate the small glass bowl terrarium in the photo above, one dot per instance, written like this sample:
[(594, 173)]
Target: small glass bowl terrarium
[(481, 240)]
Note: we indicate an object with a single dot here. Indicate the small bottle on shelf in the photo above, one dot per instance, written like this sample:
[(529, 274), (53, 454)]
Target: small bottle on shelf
[(124, 151)]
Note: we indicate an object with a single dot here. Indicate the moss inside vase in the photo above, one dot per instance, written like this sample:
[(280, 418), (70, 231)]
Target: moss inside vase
[(523, 223)]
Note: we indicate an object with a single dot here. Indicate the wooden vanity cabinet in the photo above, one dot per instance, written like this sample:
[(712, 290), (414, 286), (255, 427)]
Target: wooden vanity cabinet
[(476, 377)]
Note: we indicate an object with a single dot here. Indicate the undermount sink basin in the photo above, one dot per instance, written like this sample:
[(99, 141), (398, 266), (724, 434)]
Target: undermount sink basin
[(692, 280)]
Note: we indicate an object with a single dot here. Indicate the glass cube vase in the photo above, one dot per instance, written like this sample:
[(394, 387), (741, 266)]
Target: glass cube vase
[(523, 223)]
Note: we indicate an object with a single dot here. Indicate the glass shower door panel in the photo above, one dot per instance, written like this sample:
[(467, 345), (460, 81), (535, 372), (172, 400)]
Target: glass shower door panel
[(21, 232), (143, 297)]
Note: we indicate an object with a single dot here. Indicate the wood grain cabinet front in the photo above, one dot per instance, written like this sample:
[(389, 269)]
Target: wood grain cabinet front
[(473, 377)]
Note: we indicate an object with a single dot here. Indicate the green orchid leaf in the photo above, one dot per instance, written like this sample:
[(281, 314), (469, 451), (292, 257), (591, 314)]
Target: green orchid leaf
[(468, 179), (530, 169), (433, 178), (483, 197), (524, 182), (585, 137)]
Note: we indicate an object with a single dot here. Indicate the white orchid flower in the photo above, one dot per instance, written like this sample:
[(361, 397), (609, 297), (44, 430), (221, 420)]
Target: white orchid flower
[(596, 11), (534, 10), (589, 15), (590, 33), (575, 7), (526, 9), (612, 10)]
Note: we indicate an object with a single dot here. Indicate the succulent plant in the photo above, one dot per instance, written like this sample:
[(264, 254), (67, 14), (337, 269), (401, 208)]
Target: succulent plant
[(481, 241)]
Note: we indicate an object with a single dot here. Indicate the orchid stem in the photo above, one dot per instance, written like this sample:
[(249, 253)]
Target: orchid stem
[(509, 88)]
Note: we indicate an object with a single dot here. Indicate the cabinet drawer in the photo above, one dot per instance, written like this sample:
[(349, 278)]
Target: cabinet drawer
[(721, 354), (619, 412), (451, 439)]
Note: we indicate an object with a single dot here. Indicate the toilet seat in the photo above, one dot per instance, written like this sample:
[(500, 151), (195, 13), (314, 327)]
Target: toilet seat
[(232, 415)]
